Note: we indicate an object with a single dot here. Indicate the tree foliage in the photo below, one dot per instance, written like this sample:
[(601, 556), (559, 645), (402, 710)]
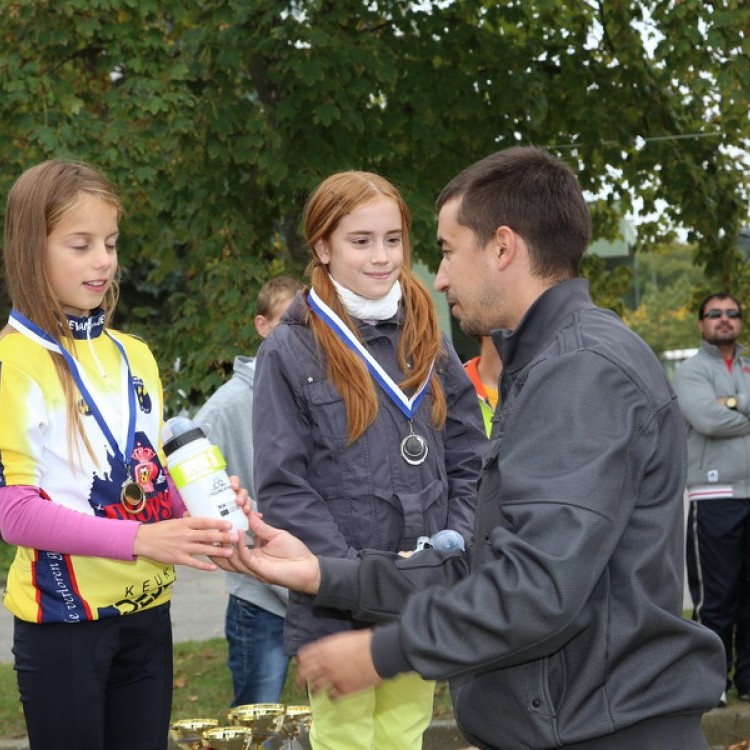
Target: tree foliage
[(216, 118), (666, 284)]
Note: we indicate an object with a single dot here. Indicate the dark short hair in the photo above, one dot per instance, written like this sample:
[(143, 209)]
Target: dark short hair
[(536, 195), (717, 295)]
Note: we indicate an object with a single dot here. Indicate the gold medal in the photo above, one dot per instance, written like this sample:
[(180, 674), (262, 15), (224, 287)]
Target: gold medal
[(132, 497)]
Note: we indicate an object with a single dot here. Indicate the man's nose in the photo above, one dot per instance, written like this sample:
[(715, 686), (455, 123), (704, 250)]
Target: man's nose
[(441, 279)]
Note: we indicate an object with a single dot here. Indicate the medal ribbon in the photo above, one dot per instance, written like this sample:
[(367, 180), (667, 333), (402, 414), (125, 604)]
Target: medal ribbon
[(23, 325), (407, 405)]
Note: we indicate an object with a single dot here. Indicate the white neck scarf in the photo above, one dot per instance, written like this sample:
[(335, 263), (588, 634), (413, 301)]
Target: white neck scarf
[(363, 308)]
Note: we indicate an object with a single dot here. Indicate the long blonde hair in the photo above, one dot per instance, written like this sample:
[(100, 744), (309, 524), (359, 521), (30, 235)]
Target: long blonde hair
[(421, 340), (38, 200)]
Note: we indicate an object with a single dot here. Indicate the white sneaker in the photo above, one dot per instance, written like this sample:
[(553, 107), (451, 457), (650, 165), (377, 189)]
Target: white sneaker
[(723, 700)]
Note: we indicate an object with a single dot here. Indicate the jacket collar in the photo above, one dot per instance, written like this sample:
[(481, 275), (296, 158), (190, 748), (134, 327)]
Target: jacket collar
[(713, 351), (244, 368), (518, 347), (87, 326)]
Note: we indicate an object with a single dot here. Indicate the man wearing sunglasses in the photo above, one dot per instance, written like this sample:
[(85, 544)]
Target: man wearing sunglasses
[(713, 390)]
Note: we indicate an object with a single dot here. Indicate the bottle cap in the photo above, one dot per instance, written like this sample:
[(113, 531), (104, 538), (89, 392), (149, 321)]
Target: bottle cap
[(179, 431), (448, 540)]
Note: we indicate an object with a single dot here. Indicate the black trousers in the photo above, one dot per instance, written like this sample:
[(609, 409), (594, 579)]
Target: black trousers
[(99, 685), (718, 567)]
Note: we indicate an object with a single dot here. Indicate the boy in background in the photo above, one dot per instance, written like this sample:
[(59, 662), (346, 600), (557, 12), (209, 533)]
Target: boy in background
[(254, 621)]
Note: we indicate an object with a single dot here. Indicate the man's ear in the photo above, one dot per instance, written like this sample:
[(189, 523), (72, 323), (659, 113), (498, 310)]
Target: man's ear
[(506, 246)]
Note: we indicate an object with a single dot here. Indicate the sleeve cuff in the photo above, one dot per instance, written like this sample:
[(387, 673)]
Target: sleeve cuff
[(387, 655), (339, 583)]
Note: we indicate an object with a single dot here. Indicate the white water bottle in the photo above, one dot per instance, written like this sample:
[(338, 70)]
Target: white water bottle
[(198, 470)]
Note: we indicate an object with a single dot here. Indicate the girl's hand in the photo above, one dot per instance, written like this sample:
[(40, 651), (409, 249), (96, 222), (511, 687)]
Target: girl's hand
[(243, 499), (178, 540)]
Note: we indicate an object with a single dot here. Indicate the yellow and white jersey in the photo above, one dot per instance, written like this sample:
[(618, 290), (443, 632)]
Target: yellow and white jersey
[(38, 449)]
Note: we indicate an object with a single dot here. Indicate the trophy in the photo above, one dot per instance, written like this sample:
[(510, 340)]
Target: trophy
[(227, 738), (295, 725), (187, 733), (265, 719)]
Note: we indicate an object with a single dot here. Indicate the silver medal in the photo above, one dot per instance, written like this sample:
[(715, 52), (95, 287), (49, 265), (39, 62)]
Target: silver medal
[(414, 449)]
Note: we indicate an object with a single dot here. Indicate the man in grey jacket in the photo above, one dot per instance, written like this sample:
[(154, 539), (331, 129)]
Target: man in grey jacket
[(713, 388), (562, 625), (254, 618)]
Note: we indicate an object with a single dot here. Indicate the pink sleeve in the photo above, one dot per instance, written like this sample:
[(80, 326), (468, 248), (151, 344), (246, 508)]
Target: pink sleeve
[(28, 520), (175, 499)]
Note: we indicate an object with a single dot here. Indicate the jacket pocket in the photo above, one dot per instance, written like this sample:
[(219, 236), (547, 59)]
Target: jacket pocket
[(527, 719), (420, 513), (327, 409)]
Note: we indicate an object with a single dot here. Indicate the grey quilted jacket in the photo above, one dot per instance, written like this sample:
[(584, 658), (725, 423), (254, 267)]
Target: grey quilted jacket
[(564, 623), (340, 498)]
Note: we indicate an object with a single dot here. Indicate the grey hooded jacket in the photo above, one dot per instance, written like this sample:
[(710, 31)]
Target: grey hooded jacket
[(718, 437), (227, 420), (564, 624), (341, 498)]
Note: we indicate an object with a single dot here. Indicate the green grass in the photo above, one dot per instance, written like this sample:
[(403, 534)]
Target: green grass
[(202, 688), (11, 716), (202, 685)]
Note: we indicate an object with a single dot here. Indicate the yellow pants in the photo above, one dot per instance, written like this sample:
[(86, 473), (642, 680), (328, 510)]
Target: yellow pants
[(391, 716)]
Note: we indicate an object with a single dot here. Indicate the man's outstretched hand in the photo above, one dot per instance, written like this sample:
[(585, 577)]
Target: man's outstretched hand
[(277, 557)]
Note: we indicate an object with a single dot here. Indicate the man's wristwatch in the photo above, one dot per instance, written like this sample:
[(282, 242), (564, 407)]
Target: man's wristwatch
[(731, 402)]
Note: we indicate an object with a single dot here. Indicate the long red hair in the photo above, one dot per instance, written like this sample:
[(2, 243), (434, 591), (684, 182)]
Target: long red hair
[(421, 339)]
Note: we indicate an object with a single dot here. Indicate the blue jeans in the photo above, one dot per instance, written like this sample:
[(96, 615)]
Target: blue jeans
[(256, 652)]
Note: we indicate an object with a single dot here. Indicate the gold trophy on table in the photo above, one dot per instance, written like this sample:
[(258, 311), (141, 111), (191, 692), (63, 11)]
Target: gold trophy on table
[(188, 733), (296, 724), (228, 738), (265, 720)]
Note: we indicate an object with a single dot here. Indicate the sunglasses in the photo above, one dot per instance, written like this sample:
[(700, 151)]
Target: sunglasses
[(716, 314)]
